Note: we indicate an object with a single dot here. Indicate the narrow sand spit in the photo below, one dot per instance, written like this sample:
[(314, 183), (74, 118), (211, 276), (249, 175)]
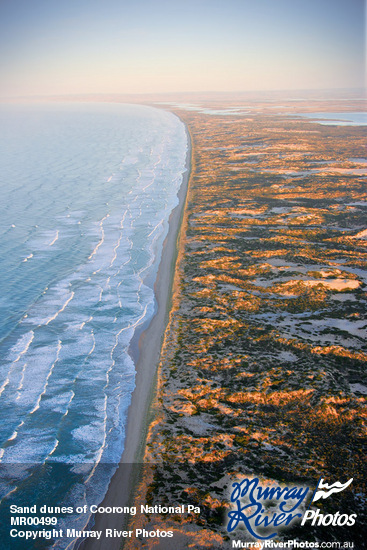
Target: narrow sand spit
[(150, 341)]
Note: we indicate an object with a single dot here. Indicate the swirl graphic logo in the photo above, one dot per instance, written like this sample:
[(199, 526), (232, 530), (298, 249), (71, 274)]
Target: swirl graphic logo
[(323, 490)]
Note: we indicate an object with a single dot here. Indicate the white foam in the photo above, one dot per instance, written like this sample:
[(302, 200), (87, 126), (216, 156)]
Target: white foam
[(28, 258), (50, 319), (15, 354), (54, 239), (21, 347), (44, 389), (102, 237)]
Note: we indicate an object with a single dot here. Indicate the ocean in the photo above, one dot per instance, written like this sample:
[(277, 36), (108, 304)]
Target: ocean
[(87, 190)]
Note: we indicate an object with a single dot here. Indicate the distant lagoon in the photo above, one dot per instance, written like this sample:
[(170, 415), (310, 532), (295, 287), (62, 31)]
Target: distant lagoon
[(354, 118)]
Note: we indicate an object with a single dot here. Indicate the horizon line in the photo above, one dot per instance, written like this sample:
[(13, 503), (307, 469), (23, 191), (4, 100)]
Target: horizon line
[(330, 91)]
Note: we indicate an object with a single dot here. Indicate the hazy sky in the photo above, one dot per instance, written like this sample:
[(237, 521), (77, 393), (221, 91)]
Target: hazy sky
[(143, 46)]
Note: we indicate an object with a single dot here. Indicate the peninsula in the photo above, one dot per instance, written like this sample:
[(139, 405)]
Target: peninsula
[(262, 371)]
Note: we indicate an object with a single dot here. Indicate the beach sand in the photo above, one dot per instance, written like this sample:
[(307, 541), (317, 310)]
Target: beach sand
[(125, 479)]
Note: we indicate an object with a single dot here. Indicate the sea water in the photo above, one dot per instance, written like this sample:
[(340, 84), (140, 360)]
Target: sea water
[(86, 194)]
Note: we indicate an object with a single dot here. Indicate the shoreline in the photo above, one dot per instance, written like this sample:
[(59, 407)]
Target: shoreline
[(123, 482)]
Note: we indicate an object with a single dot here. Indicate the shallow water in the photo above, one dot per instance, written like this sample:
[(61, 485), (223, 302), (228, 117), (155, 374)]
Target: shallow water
[(348, 118)]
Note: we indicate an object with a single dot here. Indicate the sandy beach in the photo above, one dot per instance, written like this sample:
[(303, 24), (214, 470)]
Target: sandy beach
[(122, 484)]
